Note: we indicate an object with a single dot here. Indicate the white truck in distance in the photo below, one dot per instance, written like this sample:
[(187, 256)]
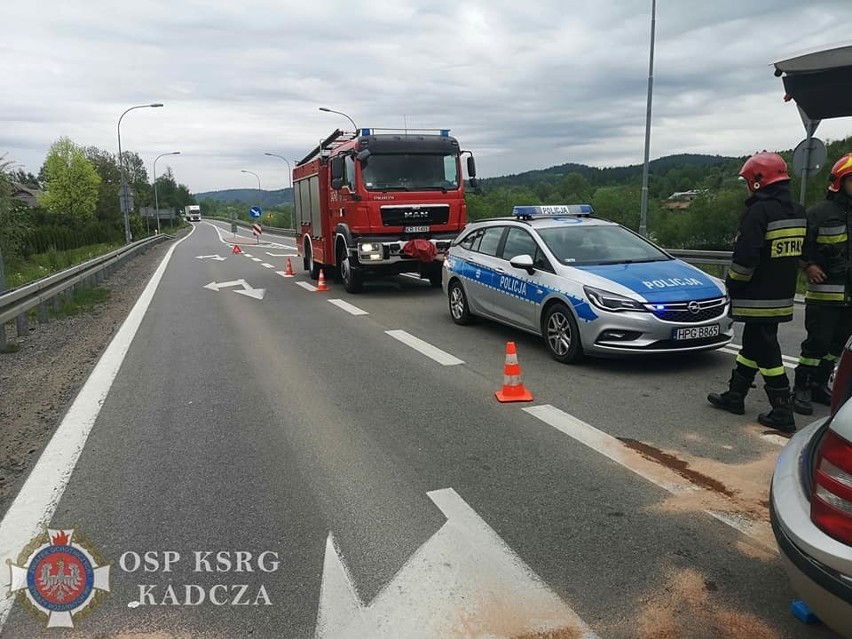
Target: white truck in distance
[(193, 213)]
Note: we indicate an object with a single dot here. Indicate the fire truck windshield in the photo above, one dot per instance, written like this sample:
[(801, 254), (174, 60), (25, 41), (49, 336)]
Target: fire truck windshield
[(410, 172)]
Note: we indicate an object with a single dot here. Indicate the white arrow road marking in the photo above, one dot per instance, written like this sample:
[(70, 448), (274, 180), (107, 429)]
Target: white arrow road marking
[(349, 308), (632, 460), (464, 582), (248, 291), (215, 258), (433, 352), (306, 286)]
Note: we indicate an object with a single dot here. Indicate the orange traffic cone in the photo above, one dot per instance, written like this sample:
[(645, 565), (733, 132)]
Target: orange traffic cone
[(321, 285), (513, 388), (237, 249), (289, 272)]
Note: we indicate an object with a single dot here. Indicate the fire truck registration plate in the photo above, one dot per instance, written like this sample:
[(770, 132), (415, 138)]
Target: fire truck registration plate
[(416, 229), (697, 332)]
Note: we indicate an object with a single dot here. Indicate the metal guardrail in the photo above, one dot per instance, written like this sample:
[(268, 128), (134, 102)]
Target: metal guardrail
[(17, 302), (692, 256)]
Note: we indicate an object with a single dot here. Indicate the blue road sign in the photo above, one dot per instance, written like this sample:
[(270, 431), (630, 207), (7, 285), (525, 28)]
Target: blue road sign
[(255, 212)]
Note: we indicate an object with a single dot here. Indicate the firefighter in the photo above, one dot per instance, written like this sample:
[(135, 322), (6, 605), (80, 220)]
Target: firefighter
[(828, 268), (761, 283)]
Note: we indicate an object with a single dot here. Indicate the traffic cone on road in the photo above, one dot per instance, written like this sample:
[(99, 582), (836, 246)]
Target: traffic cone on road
[(513, 388), (289, 272), (237, 249), (321, 285)]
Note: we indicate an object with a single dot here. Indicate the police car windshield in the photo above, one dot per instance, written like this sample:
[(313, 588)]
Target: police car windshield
[(410, 172), (578, 244)]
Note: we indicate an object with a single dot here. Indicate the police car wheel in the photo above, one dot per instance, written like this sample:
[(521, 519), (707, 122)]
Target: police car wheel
[(459, 309), (562, 335)]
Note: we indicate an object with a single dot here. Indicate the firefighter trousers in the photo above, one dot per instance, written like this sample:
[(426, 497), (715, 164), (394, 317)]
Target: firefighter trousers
[(828, 327), (761, 352)]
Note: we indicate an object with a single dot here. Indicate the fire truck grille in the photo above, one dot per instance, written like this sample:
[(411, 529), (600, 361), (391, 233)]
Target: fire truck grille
[(415, 215)]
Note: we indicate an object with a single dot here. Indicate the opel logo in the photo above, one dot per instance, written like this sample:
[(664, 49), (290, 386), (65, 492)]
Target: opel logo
[(694, 307)]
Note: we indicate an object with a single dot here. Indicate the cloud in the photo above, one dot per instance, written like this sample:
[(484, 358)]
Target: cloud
[(523, 85)]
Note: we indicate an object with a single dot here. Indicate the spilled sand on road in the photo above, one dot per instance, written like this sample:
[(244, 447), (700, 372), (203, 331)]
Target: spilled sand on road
[(686, 608)]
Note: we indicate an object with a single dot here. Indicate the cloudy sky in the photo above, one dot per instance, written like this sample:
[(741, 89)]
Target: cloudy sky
[(524, 84)]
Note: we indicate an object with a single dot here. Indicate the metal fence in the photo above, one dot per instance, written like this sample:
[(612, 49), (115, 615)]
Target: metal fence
[(18, 302)]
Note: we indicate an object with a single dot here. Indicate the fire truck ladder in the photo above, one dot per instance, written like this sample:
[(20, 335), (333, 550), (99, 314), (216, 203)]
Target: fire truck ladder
[(337, 138)]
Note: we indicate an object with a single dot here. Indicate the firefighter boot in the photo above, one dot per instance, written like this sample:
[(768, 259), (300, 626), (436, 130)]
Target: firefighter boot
[(820, 391), (733, 399), (802, 391), (781, 415)]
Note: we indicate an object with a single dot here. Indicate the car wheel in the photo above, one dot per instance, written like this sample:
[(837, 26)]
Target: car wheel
[(353, 278), (561, 334), (459, 308)]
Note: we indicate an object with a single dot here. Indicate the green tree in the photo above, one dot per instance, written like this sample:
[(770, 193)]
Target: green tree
[(137, 177), (14, 219), (72, 182), (108, 209), (575, 189)]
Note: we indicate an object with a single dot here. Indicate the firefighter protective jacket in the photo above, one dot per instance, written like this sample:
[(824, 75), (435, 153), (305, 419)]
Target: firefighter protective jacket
[(762, 278), (827, 245)]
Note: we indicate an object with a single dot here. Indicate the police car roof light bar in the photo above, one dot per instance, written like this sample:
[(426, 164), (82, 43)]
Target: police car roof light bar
[(558, 210)]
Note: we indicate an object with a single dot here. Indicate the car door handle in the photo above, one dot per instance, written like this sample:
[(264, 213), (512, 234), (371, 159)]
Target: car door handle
[(500, 270)]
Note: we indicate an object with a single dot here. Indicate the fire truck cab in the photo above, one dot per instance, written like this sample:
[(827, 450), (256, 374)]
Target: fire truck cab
[(379, 202)]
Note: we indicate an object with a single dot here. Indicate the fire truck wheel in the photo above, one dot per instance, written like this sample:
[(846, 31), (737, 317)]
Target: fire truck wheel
[(459, 308), (353, 278), (313, 267)]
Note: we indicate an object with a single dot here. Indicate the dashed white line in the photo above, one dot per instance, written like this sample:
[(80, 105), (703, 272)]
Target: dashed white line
[(248, 255), (349, 308), (633, 461), (283, 274), (267, 265), (433, 352), (306, 286), (256, 259)]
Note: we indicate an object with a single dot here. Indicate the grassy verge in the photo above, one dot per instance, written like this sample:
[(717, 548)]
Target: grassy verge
[(19, 272), (81, 302)]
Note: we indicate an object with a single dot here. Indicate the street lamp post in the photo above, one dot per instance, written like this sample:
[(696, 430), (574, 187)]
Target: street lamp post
[(290, 175), (327, 110), (123, 191), (156, 197), (643, 219)]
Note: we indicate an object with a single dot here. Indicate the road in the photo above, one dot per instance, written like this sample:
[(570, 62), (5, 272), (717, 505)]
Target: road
[(350, 462)]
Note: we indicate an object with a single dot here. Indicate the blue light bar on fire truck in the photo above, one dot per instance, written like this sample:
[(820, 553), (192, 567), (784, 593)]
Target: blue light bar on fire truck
[(557, 210)]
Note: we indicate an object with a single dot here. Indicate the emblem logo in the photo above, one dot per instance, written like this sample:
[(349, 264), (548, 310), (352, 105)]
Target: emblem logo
[(59, 577), (694, 307)]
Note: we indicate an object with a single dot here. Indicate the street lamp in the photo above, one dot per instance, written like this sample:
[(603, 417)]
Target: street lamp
[(123, 194), (327, 110), (290, 174), (643, 218), (156, 198)]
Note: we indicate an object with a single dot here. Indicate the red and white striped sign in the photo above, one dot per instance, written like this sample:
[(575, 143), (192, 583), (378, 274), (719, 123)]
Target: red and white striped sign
[(255, 229)]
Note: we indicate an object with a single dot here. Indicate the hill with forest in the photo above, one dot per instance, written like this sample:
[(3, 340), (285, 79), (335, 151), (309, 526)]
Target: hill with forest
[(268, 199)]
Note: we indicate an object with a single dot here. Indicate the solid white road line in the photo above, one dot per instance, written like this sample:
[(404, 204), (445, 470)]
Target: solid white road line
[(786, 358), (38, 498), (426, 348), (735, 351), (630, 459), (349, 308), (306, 286), (267, 265)]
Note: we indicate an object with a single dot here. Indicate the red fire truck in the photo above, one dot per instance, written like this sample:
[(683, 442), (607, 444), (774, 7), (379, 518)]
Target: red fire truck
[(380, 202)]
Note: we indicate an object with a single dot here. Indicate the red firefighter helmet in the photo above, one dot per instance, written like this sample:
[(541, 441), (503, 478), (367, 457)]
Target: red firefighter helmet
[(840, 170), (763, 169)]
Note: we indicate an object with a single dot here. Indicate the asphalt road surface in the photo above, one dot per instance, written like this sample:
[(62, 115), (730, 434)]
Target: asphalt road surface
[(256, 459)]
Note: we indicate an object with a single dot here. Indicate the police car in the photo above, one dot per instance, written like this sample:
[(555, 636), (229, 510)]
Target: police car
[(587, 285)]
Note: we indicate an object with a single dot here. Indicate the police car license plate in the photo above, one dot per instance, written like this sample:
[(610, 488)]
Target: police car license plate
[(416, 229), (697, 332)]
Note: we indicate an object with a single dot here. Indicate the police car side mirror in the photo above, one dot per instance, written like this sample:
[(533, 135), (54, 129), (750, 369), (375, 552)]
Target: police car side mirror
[(523, 261)]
